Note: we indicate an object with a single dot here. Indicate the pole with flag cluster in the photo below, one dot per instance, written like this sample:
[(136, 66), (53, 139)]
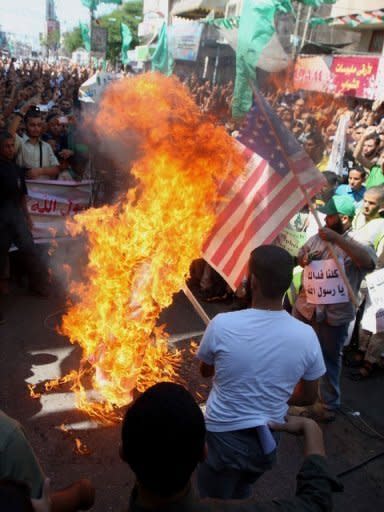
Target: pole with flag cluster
[(92, 5)]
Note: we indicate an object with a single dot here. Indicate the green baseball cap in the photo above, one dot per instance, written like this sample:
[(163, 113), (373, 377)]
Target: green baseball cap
[(343, 205)]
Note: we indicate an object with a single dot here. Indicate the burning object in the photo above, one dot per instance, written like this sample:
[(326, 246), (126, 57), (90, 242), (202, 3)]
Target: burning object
[(140, 250)]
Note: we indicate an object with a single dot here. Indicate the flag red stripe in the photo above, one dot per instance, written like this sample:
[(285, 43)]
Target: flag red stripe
[(231, 237), (243, 271), (238, 199), (268, 213)]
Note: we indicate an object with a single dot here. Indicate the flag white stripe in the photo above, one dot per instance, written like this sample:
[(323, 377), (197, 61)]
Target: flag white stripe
[(263, 233), (237, 215)]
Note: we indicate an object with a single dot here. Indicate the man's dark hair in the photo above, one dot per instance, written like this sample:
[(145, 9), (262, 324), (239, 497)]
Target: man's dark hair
[(374, 137), (163, 436), (4, 135), (32, 113), (15, 496), (331, 178), (272, 266), (359, 169)]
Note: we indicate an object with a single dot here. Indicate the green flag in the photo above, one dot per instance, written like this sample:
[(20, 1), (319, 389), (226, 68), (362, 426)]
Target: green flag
[(84, 28), (126, 39), (257, 39), (162, 59), (92, 4)]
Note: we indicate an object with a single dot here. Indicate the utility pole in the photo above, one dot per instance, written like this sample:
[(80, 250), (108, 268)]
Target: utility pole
[(306, 26), (296, 31)]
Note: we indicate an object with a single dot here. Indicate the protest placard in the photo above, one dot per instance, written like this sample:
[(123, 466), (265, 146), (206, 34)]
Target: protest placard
[(291, 240), (51, 203), (323, 284), (374, 313)]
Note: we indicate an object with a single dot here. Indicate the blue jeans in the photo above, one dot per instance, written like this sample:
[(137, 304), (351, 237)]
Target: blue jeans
[(235, 461), (332, 339)]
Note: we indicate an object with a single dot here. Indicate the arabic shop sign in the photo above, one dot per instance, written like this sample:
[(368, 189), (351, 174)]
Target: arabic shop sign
[(354, 75), (323, 284)]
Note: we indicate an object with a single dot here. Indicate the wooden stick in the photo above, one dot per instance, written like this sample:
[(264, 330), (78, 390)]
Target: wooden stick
[(308, 199), (196, 305)]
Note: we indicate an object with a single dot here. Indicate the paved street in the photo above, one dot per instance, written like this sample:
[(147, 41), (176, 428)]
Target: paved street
[(31, 352)]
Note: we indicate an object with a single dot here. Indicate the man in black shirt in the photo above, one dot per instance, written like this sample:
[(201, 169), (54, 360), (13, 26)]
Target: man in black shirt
[(15, 223), (163, 439)]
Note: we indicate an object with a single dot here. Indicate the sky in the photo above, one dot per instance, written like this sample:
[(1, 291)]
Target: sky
[(26, 17)]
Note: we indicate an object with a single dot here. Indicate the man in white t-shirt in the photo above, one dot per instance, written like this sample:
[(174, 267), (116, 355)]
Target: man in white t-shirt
[(262, 360)]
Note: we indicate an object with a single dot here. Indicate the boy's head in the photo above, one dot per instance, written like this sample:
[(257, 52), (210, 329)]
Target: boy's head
[(163, 438)]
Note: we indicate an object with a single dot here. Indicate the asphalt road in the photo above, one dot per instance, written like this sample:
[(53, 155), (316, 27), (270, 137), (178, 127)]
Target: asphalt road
[(31, 352)]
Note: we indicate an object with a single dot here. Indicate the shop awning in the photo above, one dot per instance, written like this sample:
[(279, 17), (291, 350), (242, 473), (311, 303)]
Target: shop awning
[(368, 20)]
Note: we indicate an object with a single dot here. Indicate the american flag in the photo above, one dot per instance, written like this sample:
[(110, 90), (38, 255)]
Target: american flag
[(262, 200)]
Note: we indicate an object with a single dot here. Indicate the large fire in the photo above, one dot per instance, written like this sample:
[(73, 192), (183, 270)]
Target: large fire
[(140, 250)]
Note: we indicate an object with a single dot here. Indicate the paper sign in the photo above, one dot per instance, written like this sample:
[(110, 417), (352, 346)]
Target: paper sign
[(291, 240), (375, 283), (51, 202), (323, 284)]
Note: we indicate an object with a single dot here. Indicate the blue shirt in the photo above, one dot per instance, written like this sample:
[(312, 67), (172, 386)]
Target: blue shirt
[(356, 195)]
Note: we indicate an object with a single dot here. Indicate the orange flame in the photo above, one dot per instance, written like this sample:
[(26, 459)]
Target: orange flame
[(81, 448), (140, 250), (32, 393)]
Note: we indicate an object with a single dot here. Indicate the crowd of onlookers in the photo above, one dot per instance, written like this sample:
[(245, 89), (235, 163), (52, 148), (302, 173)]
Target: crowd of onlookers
[(39, 104), (213, 99), (164, 431)]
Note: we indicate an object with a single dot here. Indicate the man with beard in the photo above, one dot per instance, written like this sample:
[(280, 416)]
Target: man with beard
[(366, 151), (331, 321)]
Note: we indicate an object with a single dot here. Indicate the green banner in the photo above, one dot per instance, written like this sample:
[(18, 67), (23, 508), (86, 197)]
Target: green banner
[(126, 40), (162, 60), (256, 33), (84, 28)]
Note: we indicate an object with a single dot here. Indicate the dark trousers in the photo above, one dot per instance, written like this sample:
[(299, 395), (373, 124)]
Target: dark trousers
[(14, 230), (235, 461)]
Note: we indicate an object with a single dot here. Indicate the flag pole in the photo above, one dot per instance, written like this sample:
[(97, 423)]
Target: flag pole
[(308, 199), (196, 305)]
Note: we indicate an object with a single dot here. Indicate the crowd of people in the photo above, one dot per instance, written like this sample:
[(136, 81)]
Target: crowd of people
[(279, 353)]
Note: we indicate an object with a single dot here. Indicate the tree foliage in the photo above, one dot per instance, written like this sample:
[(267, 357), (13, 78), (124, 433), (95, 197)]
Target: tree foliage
[(72, 40), (131, 14)]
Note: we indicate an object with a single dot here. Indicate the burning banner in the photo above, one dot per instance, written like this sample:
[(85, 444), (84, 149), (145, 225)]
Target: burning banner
[(140, 250)]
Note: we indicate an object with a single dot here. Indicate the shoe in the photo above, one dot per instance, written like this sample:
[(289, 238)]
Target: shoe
[(364, 372)]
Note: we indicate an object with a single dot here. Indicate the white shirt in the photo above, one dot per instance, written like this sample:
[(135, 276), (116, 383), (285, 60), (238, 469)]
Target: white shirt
[(28, 154), (259, 356)]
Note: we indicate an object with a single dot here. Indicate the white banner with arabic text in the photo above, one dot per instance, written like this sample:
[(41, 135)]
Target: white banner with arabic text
[(51, 203)]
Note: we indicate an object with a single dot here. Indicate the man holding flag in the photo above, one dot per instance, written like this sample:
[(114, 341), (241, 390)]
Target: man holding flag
[(253, 379)]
